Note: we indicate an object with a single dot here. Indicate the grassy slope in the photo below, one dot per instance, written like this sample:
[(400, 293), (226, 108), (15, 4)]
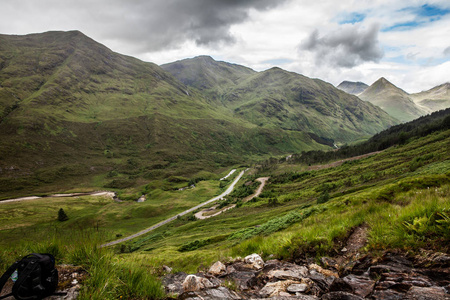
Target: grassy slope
[(401, 194), (71, 109), (279, 99)]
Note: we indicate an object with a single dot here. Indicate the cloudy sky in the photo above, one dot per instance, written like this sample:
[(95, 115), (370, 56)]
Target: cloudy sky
[(406, 41)]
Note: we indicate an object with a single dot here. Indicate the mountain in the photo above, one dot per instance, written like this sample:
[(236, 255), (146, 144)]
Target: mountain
[(434, 99), (395, 101), (75, 114), (277, 98), (353, 88), (206, 74)]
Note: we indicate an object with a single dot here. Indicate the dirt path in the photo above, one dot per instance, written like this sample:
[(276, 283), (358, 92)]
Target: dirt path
[(147, 230), (259, 190), (200, 215), (340, 162), (105, 193)]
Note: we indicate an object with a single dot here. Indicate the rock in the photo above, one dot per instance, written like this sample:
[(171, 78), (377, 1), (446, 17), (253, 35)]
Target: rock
[(329, 262), (194, 283), (340, 296), (387, 295), (323, 271), (322, 283), (230, 269), (427, 293), (298, 288), (273, 289), (340, 284), (167, 269), (210, 294), (244, 280), (293, 274), (254, 261), (362, 286), (173, 283), (218, 269)]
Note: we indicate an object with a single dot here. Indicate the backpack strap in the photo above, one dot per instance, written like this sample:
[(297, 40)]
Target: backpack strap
[(5, 277)]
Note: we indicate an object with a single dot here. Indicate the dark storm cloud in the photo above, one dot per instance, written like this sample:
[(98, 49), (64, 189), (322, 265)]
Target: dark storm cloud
[(156, 25), (140, 25), (347, 47)]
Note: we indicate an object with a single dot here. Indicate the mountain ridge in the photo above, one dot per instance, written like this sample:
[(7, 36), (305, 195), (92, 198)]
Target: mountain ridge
[(392, 99)]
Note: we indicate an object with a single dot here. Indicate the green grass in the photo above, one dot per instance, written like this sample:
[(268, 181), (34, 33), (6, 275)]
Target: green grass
[(403, 208)]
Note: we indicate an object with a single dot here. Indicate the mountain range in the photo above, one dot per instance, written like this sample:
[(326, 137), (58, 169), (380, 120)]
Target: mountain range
[(73, 109), (398, 103)]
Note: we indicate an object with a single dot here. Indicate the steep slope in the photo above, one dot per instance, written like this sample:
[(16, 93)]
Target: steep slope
[(434, 99), (279, 99), (353, 88), (393, 100), (72, 108)]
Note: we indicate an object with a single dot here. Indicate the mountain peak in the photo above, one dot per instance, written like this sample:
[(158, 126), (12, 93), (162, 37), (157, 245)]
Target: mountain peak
[(351, 87)]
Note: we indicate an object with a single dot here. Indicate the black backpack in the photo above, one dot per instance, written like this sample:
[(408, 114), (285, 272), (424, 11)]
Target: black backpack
[(37, 277)]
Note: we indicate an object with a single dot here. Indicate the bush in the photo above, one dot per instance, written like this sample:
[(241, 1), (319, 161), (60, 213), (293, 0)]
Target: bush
[(62, 215)]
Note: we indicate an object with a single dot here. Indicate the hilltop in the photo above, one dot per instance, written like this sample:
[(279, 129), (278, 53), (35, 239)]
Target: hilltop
[(353, 88), (395, 101)]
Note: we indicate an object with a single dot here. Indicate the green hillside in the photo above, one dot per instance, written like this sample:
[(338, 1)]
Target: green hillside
[(75, 115), (279, 99), (305, 212)]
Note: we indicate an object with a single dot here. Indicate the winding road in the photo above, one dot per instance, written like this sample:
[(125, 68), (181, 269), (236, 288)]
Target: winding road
[(200, 215), (147, 230)]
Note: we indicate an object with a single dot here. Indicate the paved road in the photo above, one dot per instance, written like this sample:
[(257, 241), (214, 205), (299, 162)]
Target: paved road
[(109, 194), (147, 230), (200, 215)]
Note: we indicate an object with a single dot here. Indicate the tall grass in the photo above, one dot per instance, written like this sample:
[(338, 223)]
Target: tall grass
[(108, 276)]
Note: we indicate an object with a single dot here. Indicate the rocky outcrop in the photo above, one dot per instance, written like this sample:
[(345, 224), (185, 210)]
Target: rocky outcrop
[(392, 276)]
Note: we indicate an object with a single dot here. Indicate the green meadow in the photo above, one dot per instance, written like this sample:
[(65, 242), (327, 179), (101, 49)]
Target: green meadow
[(400, 194)]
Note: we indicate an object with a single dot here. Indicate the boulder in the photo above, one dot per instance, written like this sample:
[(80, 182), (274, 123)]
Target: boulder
[(218, 269), (273, 289), (362, 286), (254, 261), (194, 283), (292, 274), (220, 293), (427, 293), (243, 280)]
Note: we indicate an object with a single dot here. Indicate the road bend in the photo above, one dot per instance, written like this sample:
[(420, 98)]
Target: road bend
[(147, 230)]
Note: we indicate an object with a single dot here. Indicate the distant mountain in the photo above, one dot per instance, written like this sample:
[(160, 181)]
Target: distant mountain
[(279, 99), (353, 88), (434, 99), (395, 101)]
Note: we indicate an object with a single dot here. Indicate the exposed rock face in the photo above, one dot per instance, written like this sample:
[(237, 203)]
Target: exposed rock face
[(392, 276), (218, 269), (254, 261)]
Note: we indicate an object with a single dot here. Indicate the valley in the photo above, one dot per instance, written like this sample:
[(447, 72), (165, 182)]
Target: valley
[(236, 166)]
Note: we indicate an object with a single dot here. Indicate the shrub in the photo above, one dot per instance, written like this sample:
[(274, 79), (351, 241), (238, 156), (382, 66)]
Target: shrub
[(62, 215)]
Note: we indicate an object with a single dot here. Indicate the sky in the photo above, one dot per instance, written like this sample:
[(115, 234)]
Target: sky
[(405, 41)]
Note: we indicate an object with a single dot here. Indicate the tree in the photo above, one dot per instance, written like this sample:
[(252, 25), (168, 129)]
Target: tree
[(62, 215)]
